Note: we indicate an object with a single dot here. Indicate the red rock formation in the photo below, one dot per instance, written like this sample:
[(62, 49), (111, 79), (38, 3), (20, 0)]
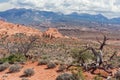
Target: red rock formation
[(52, 33), (9, 28)]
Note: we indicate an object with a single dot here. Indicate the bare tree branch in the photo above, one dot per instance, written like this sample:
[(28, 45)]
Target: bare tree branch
[(112, 56), (103, 43)]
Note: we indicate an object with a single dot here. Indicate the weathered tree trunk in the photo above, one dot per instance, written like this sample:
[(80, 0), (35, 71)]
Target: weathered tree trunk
[(97, 55)]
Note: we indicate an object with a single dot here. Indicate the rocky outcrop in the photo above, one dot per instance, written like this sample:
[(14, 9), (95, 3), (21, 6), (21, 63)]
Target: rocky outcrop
[(9, 29), (52, 33)]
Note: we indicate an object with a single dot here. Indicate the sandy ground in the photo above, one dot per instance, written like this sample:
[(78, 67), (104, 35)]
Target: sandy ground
[(41, 73)]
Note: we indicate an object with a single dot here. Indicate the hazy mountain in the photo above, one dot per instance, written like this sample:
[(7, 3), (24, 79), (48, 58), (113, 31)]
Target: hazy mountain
[(29, 16)]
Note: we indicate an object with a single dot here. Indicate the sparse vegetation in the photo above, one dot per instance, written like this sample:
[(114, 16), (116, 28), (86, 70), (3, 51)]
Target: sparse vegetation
[(117, 75), (98, 78), (82, 58), (24, 79), (61, 68), (20, 44), (66, 76), (78, 74), (14, 68), (4, 66), (56, 51), (29, 72), (13, 58), (51, 65), (42, 62)]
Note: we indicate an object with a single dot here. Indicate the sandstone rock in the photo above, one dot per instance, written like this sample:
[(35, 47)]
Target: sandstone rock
[(52, 33), (9, 29)]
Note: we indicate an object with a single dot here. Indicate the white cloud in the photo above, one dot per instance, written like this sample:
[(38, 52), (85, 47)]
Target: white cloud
[(5, 6), (110, 8)]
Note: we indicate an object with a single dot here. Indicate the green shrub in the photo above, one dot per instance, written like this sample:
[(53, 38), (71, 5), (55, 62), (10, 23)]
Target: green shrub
[(78, 74), (14, 68), (42, 62), (51, 65), (13, 58), (4, 66), (29, 72), (80, 57), (98, 78), (66, 76), (44, 56)]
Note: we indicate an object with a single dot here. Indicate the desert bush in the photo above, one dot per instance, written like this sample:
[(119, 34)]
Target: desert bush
[(13, 58), (29, 72), (98, 78), (14, 68), (51, 65), (78, 74), (24, 43), (61, 68), (66, 76), (45, 56), (117, 75), (24, 79), (57, 62), (42, 62), (81, 57), (4, 66)]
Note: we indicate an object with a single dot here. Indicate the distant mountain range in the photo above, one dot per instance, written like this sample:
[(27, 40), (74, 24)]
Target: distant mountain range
[(29, 16)]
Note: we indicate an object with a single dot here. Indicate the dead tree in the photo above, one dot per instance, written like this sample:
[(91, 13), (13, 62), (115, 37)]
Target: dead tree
[(98, 54), (25, 43), (26, 47)]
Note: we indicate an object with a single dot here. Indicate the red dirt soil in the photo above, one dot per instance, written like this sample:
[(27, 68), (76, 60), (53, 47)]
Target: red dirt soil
[(41, 73)]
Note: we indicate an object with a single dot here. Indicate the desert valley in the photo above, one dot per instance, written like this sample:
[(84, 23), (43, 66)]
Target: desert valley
[(55, 51), (59, 40)]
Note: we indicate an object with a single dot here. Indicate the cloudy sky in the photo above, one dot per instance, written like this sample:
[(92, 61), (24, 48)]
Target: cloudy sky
[(109, 8)]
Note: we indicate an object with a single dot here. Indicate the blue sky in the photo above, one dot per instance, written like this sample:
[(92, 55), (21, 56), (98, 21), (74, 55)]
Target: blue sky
[(3, 1), (109, 8)]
